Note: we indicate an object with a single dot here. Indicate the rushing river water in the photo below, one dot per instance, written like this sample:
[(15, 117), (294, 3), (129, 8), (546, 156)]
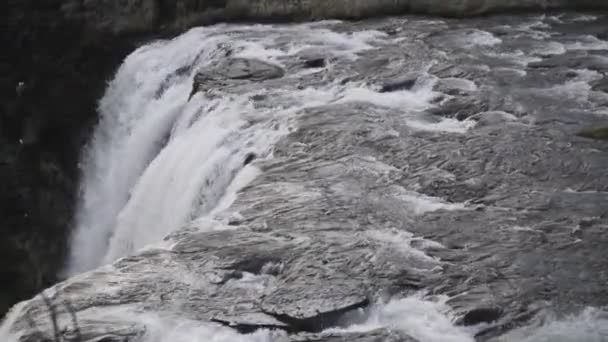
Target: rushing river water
[(404, 179)]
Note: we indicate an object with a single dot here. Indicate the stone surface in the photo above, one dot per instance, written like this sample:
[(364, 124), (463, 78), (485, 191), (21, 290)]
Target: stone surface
[(595, 133), (373, 336), (234, 71), (406, 82), (601, 85), (336, 190)]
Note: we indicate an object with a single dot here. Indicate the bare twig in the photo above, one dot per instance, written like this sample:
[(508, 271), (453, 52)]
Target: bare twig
[(53, 313), (72, 312)]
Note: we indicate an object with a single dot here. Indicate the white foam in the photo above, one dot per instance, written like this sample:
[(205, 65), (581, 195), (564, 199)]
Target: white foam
[(550, 48), (168, 330), (517, 57), (584, 17), (578, 91), (404, 100), (588, 43), (586, 75), (424, 319), (420, 204), (241, 180), (480, 38), (591, 325), (402, 242), (522, 229), (134, 124), (446, 125)]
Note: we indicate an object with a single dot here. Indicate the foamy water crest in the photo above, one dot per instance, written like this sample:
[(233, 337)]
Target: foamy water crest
[(591, 325), (426, 320)]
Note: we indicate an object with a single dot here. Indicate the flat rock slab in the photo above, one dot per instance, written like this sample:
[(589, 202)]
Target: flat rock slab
[(380, 335), (234, 71)]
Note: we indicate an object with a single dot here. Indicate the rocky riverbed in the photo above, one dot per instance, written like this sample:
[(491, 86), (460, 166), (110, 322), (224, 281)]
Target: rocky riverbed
[(400, 179)]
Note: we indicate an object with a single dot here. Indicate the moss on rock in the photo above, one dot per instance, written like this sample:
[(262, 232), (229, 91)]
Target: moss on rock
[(595, 133)]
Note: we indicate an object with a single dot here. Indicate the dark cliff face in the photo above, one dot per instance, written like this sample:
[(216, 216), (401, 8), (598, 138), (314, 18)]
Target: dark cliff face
[(52, 73)]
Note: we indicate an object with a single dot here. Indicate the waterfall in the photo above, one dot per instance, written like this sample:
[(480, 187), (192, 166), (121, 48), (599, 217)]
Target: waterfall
[(159, 159)]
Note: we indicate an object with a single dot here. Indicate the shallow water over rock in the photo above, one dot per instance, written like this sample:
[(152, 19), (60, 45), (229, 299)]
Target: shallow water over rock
[(458, 205)]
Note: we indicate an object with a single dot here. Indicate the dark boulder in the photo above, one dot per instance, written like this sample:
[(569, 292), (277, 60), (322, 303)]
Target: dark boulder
[(481, 315), (600, 133), (600, 85), (405, 82), (234, 71), (314, 62)]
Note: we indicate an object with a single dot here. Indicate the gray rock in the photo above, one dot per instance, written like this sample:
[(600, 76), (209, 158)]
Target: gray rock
[(460, 107), (574, 60), (600, 85), (380, 335), (492, 118), (455, 86), (405, 82), (234, 71)]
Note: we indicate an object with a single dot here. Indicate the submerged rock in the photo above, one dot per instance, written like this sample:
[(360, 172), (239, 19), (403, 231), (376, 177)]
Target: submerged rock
[(405, 82), (380, 335), (600, 85), (234, 71), (595, 133), (492, 118), (481, 315)]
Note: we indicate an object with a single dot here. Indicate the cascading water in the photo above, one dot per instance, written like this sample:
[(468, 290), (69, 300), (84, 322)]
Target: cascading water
[(143, 102), (160, 159)]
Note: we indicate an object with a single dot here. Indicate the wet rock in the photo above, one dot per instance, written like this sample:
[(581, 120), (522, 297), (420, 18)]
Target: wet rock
[(574, 60), (460, 107), (249, 158), (595, 133), (492, 118), (317, 322), (481, 315), (90, 331), (455, 86), (315, 62), (234, 71), (380, 335), (600, 85), (466, 71), (405, 82)]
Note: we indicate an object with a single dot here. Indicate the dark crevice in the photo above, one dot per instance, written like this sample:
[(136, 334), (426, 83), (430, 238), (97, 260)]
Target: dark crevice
[(318, 323), (243, 328), (481, 315), (293, 325)]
